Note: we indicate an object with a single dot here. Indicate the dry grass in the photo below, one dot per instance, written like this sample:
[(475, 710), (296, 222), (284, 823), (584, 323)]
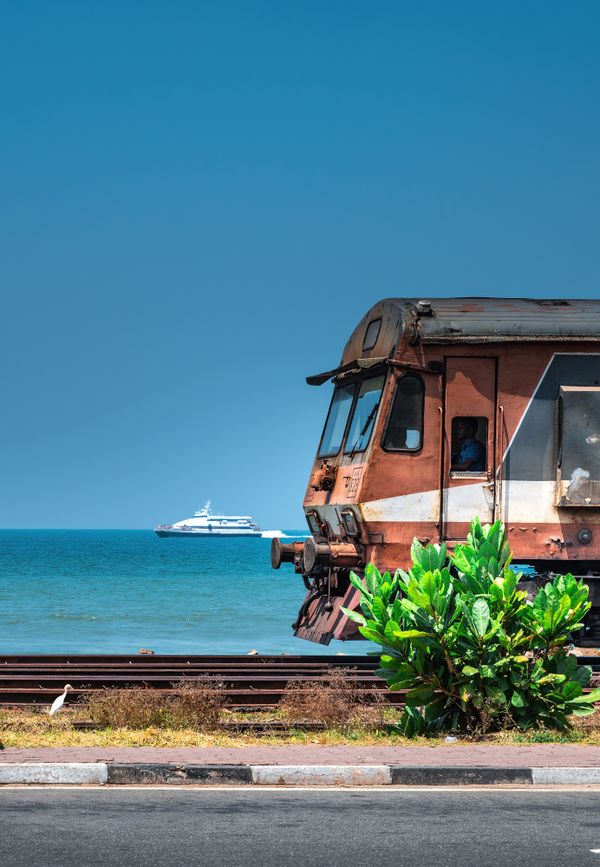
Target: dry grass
[(136, 708), (34, 723), (336, 700), (32, 729), (25, 729), (194, 705), (588, 725)]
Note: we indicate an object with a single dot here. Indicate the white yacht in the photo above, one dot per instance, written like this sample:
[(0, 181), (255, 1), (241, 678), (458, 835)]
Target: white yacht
[(204, 524)]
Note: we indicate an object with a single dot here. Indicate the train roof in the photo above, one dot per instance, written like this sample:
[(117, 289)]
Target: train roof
[(459, 319), (472, 320), (464, 320)]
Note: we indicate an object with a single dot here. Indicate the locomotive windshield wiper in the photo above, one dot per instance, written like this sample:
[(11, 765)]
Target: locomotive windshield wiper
[(356, 366), (365, 428)]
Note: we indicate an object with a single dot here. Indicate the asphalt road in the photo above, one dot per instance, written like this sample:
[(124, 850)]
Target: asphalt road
[(269, 828)]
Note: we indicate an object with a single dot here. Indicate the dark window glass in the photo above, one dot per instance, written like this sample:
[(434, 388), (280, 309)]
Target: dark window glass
[(404, 431), (580, 446), (371, 334), (337, 418), (365, 411), (469, 444), (350, 523), (313, 523)]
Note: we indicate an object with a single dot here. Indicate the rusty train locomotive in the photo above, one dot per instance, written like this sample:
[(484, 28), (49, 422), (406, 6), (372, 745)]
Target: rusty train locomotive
[(447, 409)]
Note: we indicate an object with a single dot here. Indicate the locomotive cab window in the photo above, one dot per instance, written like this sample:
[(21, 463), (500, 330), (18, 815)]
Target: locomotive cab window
[(469, 445), (365, 412), (337, 419), (404, 431)]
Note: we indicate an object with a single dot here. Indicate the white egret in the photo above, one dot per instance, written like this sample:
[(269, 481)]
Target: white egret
[(58, 702)]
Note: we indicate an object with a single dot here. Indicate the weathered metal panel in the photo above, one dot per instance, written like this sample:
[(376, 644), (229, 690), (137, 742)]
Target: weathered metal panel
[(470, 392), (475, 320), (499, 319)]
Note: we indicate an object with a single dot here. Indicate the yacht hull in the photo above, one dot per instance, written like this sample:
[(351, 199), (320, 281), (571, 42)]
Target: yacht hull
[(207, 533)]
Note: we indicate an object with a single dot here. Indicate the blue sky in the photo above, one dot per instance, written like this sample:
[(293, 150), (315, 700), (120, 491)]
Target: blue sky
[(200, 200)]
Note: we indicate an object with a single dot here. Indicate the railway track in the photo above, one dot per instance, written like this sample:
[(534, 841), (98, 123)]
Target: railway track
[(250, 682)]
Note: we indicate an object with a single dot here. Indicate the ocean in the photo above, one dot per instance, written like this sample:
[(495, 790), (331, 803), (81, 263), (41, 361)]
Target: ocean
[(116, 591)]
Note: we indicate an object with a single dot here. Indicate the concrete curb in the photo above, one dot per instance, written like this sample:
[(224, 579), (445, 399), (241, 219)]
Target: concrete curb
[(467, 776), (142, 774), (565, 776), (67, 773), (122, 774), (321, 775)]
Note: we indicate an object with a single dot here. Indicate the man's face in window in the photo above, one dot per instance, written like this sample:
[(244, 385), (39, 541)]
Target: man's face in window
[(465, 430)]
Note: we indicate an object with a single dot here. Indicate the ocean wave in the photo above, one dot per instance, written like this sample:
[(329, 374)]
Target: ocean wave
[(65, 615), (279, 534), (139, 616)]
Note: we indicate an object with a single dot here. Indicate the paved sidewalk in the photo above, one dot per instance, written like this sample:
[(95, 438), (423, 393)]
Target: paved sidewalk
[(452, 755)]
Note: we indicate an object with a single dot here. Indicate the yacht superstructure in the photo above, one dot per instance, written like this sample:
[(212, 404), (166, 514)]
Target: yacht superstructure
[(203, 523)]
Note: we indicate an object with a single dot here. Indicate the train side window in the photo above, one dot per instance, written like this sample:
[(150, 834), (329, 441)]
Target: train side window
[(404, 431), (337, 419), (579, 456), (469, 444)]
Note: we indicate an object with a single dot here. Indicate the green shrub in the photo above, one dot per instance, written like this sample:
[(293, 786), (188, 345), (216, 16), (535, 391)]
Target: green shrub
[(472, 651)]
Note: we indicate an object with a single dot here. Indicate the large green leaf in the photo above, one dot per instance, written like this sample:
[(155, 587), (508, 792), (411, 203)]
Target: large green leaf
[(358, 583), (390, 628), (430, 557), (372, 634), (582, 674), (517, 699), (592, 696), (379, 610), (355, 616), (403, 634), (372, 578), (495, 693), (583, 711), (571, 690), (392, 660), (419, 696), (480, 613)]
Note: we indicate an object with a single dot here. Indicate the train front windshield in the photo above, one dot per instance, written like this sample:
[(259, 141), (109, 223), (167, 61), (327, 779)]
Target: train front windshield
[(353, 408), (337, 419)]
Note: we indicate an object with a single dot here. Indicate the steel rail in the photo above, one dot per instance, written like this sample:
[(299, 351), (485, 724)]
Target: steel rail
[(33, 680)]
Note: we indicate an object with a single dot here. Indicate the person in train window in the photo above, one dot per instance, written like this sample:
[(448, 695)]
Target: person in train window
[(470, 454)]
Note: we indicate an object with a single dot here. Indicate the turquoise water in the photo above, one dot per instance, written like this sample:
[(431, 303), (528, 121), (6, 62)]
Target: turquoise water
[(113, 591)]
